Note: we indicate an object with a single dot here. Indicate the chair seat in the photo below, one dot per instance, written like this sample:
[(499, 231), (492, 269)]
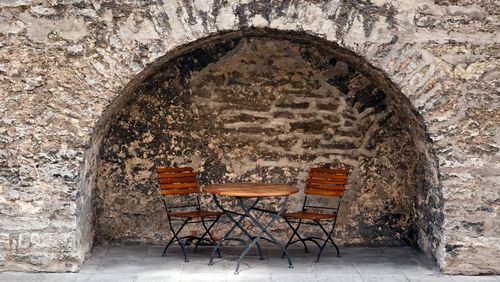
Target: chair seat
[(308, 215), (195, 214)]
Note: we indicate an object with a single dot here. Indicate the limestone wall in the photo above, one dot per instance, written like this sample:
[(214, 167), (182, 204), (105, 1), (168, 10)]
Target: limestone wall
[(260, 109), (66, 67)]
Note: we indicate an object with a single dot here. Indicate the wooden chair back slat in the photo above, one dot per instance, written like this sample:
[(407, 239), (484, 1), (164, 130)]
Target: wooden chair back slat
[(326, 187), (169, 180), (177, 180), (325, 193), (326, 181), (178, 185)]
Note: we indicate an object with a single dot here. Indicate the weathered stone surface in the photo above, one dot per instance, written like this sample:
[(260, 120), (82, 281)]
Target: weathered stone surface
[(68, 67), (185, 128)]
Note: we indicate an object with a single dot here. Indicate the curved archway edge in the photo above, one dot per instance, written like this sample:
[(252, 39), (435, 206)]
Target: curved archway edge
[(429, 242)]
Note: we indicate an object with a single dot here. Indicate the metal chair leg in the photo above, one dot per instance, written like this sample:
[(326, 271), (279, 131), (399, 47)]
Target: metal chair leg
[(166, 247), (207, 232), (202, 237), (177, 238), (295, 233), (328, 238)]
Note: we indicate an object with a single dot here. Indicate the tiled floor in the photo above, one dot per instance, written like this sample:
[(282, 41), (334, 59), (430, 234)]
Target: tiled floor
[(144, 263)]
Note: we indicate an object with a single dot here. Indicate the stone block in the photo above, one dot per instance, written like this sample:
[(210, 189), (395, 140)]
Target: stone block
[(327, 106), (30, 207), (24, 242), (287, 115), (53, 241), (315, 126), (4, 242), (9, 208), (16, 223), (293, 105)]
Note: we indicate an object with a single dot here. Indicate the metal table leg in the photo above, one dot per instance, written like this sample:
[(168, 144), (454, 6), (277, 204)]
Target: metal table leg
[(263, 230), (237, 223)]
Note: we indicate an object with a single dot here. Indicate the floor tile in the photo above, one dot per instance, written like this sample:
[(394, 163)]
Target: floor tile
[(436, 277), (343, 266), (464, 278), (162, 264), (327, 277), (377, 267), (106, 277), (292, 276), (126, 251), (383, 277), (249, 276), (196, 267), (154, 251), (159, 276), (99, 251), (117, 265), (418, 268), (43, 277)]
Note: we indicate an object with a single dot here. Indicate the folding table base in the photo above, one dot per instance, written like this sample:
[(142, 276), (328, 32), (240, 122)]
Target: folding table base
[(254, 239)]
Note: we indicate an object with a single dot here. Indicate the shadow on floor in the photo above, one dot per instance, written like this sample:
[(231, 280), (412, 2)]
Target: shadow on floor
[(145, 263)]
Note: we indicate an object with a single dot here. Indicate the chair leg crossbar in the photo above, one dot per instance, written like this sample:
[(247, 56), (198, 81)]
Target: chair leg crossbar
[(187, 240), (313, 239)]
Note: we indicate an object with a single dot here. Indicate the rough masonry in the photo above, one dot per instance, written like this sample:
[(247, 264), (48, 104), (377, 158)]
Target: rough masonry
[(67, 69), (260, 109)]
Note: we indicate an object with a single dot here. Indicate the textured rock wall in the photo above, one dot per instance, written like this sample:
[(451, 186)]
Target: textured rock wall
[(67, 67), (260, 109)]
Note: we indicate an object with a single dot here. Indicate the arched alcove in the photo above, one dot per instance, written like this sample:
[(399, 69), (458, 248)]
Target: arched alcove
[(266, 105)]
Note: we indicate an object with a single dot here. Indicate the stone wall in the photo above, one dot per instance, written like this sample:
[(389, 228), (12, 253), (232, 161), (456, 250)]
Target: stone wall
[(260, 109), (67, 68)]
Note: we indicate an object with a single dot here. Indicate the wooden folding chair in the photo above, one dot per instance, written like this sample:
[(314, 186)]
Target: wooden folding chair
[(182, 181), (322, 182)]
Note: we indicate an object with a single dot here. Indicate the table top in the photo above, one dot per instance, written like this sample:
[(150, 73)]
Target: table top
[(250, 189)]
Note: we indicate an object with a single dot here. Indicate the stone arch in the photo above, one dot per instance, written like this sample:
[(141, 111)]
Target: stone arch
[(63, 63), (428, 198)]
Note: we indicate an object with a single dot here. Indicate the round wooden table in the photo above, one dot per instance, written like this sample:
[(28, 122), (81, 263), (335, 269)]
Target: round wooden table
[(250, 189), (246, 191)]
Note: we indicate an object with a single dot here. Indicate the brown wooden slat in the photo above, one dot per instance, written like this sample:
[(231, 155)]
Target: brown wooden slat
[(177, 180), (329, 170), (250, 189), (178, 186), (176, 174), (327, 175), (326, 181), (324, 192), (173, 169), (326, 187), (309, 215), (195, 214), (179, 191)]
